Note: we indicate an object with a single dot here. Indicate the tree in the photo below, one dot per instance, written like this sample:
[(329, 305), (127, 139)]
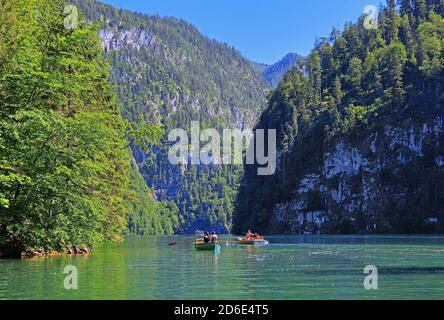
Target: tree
[(405, 7), (420, 9), (354, 79), (430, 53), (8, 31), (315, 72), (372, 80), (65, 166), (337, 91), (406, 36), (391, 26), (392, 74)]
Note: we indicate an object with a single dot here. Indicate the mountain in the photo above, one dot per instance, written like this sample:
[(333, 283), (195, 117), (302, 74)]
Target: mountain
[(360, 133), (165, 71), (259, 67), (273, 74)]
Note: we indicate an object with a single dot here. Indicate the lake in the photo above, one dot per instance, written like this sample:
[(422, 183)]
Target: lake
[(295, 267)]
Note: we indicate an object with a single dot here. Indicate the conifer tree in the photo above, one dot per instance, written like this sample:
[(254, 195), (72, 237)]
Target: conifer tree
[(405, 7), (337, 91), (420, 9)]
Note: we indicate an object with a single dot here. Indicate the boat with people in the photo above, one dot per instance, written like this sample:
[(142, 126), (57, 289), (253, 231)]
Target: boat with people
[(252, 242), (252, 239), (209, 242), (207, 246)]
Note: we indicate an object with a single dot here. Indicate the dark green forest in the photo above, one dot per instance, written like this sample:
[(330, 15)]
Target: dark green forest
[(349, 94)]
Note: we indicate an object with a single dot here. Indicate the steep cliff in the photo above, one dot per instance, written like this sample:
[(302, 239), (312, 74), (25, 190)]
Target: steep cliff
[(388, 180), (360, 134)]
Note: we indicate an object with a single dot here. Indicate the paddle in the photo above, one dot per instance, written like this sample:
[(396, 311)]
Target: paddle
[(192, 241), (180, 242)]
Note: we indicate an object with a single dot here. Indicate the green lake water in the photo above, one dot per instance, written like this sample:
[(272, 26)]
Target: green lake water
[(289, 268)]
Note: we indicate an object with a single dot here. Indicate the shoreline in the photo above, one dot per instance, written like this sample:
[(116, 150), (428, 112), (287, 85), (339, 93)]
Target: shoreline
[(32, 253)]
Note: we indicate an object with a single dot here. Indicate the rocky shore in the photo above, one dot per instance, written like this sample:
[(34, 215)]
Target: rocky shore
[(38, 252), (77, 250)]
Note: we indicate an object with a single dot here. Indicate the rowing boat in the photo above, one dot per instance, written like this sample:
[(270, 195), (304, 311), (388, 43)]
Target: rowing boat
[(252, 242), (207, 247)]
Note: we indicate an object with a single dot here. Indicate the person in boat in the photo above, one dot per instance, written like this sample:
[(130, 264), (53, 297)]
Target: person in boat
[(256, 236), (252, 236), (207, 238), (213, 237), (249, 235)]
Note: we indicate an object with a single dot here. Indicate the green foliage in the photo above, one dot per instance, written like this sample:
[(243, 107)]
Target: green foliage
[(8, 31), (63, 183), (140, 133), (64, 169), (431, 46), (148, 216), (356, 115)]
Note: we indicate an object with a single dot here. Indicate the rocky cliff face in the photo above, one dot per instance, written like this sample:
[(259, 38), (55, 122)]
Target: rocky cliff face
[(368, 185), (181, 79), (360, 135)]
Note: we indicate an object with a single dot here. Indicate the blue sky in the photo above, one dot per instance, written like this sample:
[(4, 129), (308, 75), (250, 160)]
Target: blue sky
[(262, 30)]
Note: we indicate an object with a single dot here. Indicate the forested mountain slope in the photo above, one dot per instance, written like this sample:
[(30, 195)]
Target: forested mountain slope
[(165, 71), (361, 133)]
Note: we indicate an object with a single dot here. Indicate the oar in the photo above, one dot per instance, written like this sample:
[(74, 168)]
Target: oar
[(192, 241), (180, 242), (229, 241)]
